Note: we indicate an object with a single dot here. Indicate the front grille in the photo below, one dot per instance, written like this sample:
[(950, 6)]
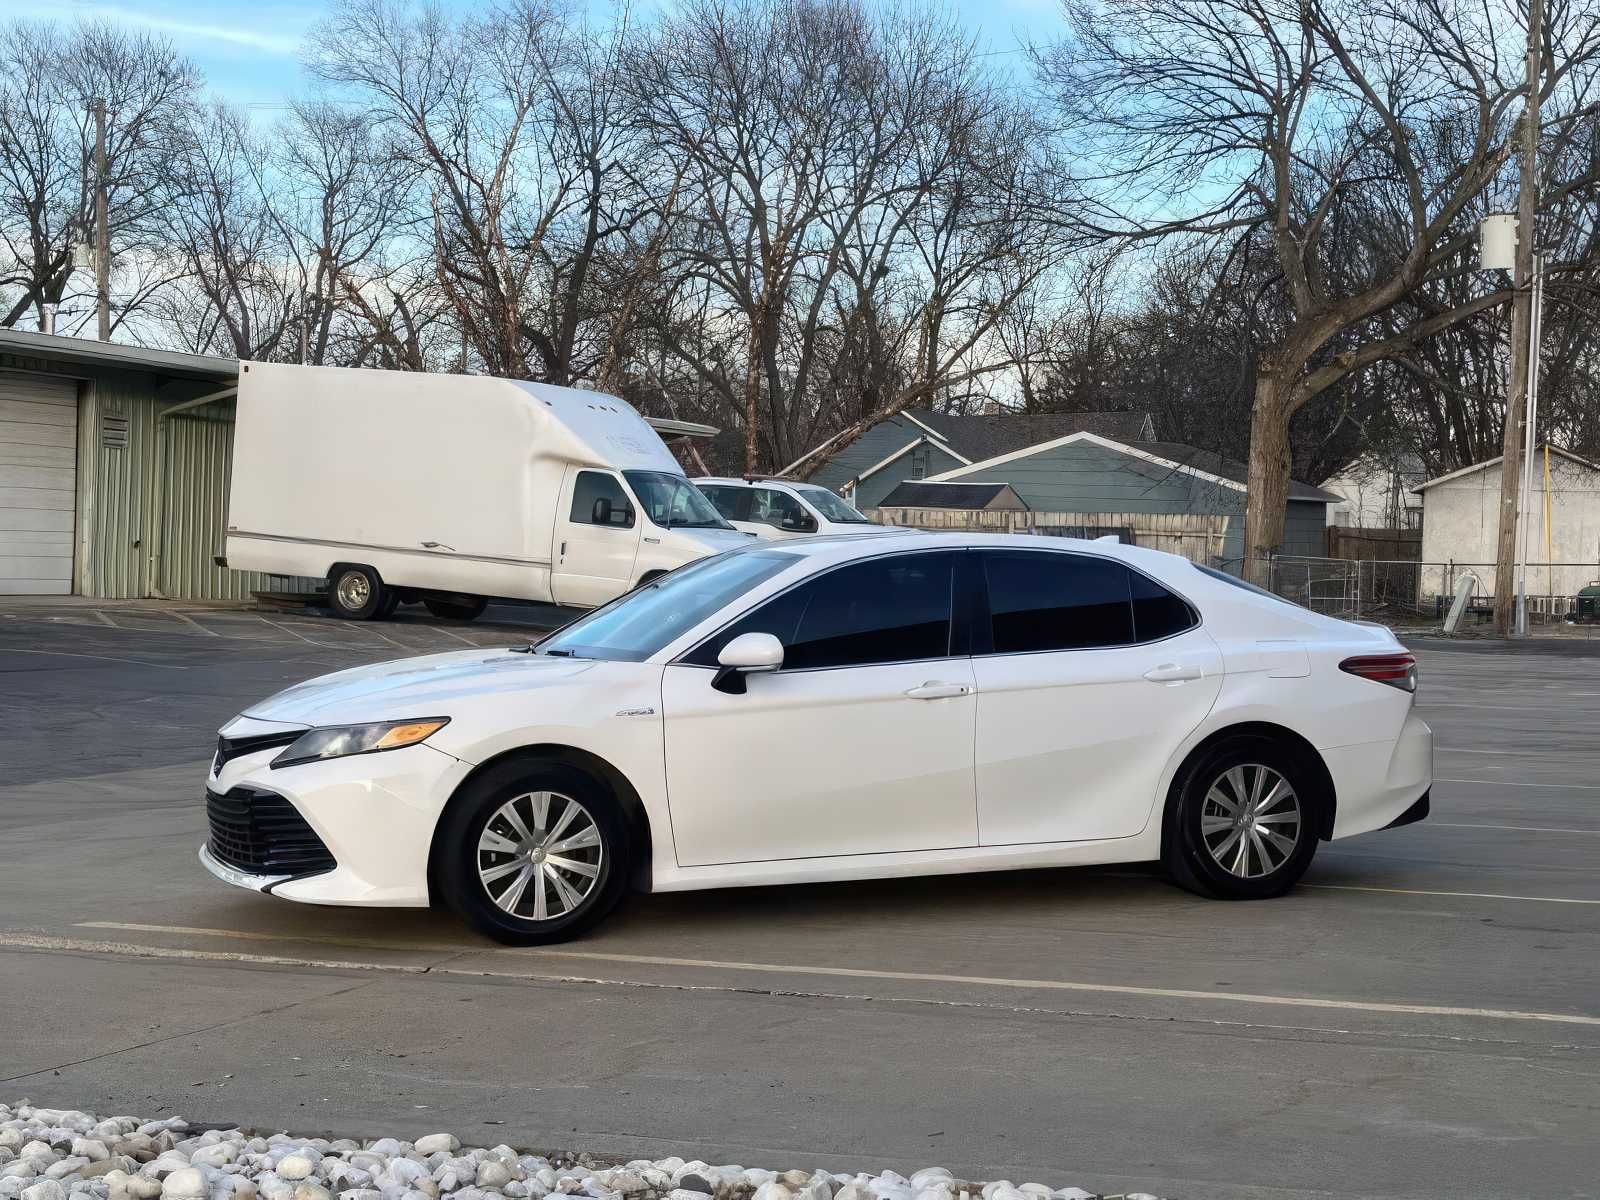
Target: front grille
[(264, 834), (229, 749)]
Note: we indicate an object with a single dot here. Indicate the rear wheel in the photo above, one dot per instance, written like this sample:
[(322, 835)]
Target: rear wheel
[(533, 853), (455, 608), (1244, 822), (355, 592)]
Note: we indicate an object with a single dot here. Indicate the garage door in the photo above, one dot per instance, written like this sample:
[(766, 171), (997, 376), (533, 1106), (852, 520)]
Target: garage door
[(38, 483)]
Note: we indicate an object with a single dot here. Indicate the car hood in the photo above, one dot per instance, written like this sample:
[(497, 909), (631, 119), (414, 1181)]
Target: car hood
[(433, 685)]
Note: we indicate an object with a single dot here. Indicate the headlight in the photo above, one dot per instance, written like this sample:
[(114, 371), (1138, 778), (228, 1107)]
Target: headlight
[(338, 741)]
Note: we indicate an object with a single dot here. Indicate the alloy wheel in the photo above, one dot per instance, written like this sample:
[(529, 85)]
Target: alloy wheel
[(354, 590), (1250, 821), (540, 856)]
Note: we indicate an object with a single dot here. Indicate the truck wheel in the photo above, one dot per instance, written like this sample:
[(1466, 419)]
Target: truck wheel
[(462, 608), (355, 592)]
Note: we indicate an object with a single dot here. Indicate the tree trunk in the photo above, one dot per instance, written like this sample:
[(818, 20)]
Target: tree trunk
[(752, 392), (1267, 497)]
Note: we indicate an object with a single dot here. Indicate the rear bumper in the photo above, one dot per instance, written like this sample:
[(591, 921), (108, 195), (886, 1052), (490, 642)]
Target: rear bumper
[(1379, 784), (1417, 812)]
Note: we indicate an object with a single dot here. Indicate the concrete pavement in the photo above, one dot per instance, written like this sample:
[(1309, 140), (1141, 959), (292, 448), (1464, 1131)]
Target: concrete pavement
[(1421, 1019)]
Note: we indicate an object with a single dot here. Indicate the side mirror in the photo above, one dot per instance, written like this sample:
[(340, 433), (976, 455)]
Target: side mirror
[(800, 524), (747, 654), (601, 513)]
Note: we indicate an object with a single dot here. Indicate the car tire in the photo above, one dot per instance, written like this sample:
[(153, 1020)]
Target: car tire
[(484, 877), (355, 592), (1220, 848), (462, 608)]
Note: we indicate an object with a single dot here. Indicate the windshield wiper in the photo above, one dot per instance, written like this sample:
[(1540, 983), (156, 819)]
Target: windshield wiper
[(555, 652)]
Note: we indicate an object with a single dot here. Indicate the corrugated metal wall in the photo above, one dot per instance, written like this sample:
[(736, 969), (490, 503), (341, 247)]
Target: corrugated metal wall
[(197, 461), (123, 487)]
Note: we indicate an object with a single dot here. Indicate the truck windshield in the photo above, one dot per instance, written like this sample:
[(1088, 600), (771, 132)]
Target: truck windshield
[(672, 502), (831, 506), (633, 627)]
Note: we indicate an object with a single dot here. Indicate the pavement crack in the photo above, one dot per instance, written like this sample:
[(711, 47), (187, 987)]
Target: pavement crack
[(183, 1033)]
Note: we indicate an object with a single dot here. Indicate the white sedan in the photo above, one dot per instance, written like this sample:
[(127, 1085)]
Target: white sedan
[(839, 708)]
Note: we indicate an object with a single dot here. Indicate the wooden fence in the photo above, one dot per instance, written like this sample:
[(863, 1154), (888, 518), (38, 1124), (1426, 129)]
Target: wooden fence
[(1371, 542), (1197, 536)]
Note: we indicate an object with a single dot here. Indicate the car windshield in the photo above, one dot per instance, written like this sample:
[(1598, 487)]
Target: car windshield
[(831, 506), (635, 626), (672, 502)]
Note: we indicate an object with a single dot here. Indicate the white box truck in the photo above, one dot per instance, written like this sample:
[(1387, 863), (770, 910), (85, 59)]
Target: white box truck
[(396, 486)]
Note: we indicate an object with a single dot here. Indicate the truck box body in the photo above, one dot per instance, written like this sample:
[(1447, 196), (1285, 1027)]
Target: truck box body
[(446, 482)]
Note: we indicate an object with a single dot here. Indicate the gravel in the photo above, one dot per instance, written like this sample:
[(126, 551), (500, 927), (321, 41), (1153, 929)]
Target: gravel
[(64, 1154)]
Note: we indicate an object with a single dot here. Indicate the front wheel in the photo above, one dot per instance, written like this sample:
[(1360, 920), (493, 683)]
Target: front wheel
[(533, 853), (1244, 822), (356, 593)]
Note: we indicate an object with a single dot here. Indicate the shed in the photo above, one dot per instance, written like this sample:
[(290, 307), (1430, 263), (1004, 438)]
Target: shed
[(1461, 524)]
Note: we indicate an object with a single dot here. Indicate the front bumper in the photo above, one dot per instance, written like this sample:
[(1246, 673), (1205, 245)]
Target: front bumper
[(375, 813)]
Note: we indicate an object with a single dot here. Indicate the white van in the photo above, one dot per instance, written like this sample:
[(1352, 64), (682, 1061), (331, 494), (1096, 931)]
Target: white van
[(777, 508), (450, 489)]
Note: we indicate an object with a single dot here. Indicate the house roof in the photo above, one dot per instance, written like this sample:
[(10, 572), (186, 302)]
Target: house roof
[(992, 434), (914, 493), (1155, 460), (1227, 468), (1499, 458)]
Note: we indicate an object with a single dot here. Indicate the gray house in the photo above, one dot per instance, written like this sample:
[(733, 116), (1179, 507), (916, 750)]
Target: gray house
[(918, 444), (1161, 494)]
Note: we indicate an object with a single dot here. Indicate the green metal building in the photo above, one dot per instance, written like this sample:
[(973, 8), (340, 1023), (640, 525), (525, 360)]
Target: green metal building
[(114, 466)]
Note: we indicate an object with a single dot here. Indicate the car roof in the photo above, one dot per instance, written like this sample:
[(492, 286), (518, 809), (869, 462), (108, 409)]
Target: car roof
[(843, 546), (728, 481)]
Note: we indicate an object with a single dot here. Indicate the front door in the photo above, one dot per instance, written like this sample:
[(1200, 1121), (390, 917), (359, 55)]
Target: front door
[(861, 744), (596, 539), (1089, 676)]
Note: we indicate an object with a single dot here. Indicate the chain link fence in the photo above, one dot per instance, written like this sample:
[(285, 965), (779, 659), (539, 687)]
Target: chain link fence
[(1394, 591)]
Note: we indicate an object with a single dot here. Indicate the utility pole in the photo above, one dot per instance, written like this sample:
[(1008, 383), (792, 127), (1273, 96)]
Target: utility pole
[(1521, 332), (102, 237)]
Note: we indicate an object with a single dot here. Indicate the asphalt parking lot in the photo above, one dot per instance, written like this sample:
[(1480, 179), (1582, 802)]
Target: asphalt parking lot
[(1421, 1018)]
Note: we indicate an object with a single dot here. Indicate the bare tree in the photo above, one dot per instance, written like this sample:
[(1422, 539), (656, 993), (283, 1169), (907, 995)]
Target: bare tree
[(48, 77), (1307, 120)]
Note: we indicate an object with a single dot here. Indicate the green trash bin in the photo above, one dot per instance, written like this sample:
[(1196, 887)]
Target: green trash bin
[(1588, 610)]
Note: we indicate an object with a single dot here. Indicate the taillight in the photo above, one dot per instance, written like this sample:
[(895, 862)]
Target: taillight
[(1396, 670)]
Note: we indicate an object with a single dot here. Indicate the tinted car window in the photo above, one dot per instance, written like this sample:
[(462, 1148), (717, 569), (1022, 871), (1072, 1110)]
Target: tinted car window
[(1046, 601), (894, 609), (727, 500), (1157, 613), (597, 485)]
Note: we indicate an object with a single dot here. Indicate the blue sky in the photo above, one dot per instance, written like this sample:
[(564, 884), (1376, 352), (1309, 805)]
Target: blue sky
[(249, 49)]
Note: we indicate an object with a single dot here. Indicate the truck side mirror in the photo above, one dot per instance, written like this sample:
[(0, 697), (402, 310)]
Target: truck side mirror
[(601, 513), (747, 654)]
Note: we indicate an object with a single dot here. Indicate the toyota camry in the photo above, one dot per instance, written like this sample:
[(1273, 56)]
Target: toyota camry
[(830, 709)]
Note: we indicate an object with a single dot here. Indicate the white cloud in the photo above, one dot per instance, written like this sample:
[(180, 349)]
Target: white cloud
[(205, 31)]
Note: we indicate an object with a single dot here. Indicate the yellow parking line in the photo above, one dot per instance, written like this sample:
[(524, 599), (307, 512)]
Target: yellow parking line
[(1056, 985)]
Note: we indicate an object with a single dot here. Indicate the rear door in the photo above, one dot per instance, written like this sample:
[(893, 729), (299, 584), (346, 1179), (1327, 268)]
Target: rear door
[(1089, 676), (596, 539)]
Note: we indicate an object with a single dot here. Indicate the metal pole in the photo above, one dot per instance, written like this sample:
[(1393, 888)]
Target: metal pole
[(1531, 422), (102, 236), (1521, 328)]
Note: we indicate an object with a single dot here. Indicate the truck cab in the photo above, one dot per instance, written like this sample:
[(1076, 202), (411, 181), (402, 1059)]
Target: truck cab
[(618, 528)]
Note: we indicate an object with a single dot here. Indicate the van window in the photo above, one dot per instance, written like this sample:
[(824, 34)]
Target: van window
[(728, 500), (592, 487), (781, 511)]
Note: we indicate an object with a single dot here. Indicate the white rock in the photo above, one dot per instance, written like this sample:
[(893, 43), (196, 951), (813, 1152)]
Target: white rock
[(773, 1191), (45, 1189), (493, 1174), (11, 1139), (21, 1168), (361, 1194), (91, 1148), (434, 1142), (186, 1183), (63, 1167), (312, 1191), (682, 1194), (297, 1167), (1035, 1189)]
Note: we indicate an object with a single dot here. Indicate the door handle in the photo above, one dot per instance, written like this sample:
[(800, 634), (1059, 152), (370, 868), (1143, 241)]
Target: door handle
[(937, 691), (1173, 673)]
